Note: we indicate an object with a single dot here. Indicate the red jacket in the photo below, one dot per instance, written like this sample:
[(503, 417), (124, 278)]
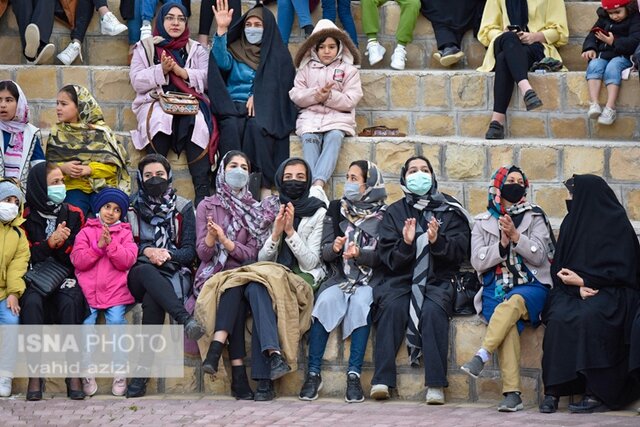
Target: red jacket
[(102, 273)]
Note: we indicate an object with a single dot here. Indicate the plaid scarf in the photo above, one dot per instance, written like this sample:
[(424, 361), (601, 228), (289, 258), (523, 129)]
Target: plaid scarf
[(159, 212)]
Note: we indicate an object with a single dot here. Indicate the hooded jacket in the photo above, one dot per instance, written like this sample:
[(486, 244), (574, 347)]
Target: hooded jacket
[(338, 112), (14, 257), (626, 35)]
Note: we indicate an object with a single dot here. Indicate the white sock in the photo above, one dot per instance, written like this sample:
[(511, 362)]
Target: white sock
[(484, 355)]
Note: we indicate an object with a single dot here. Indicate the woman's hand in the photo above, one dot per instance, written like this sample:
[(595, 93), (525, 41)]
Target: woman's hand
[(531, 38), (59, 236), (588, 54), (570, 278), (157, 256), (251, 111), (75, 169), (586, 292), (13, 305), (167, 63), (223, 16), (409, 231), (180, 72), (432, 230), (105, 238), (608, 38), (509, 229), (353, 251), (338, 244), (288, 216), (278, 224)]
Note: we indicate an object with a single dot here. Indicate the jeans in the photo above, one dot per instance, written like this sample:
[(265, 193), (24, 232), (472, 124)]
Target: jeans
[(112, 315), (344, 13), (144, 10), (8, 339), (608, 70), (80, 199), (264, 335), (321, 151), (318, 337), (286, 9)]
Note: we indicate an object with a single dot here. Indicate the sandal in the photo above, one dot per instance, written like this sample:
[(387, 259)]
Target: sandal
[(381, 131)]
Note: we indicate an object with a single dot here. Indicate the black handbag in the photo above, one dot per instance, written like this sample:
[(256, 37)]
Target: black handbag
[(47, 276), (466, 285)]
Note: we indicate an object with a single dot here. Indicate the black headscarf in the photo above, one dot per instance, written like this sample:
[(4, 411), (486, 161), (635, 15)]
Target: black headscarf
[(37, 198), (305, 206), (597, 240), (275, 112), (518, 12)]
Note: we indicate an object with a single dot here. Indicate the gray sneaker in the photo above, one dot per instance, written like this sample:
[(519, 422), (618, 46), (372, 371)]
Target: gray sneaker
[(473, 367), (511, 403)]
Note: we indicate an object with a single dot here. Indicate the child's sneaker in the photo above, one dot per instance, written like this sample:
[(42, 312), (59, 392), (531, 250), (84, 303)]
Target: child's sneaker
[(110, 26), (5, 386), (89, 386), (607, 117), (594, 110), (399, 58), (119, 386), (145, 31), (375, 52), (70, 54)]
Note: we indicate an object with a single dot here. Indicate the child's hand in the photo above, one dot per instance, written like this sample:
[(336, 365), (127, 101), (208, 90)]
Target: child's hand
[(13, 305), (608, 38), (105, 238), (588, 54), (323, 93), (74, 169)]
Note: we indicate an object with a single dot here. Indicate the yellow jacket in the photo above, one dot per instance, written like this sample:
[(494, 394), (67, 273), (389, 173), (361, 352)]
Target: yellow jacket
[(546, 16), (14, 258), (104, 171)]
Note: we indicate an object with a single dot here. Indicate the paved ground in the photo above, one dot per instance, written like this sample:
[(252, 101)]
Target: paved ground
[(178, 410)]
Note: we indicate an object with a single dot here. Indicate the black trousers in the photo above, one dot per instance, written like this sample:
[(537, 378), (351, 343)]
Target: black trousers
[(231, 317), (513, 60), (155, 292), (84, 13), (39, 12), (264, 335), (391, 327), (199, 170), (206, 14), (65, 307)]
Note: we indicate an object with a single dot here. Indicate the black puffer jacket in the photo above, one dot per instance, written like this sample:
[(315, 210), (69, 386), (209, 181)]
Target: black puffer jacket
[(626, 36)]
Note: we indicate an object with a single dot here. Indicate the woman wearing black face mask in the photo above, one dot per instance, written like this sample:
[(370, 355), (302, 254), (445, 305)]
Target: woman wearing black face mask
[(511, 248), (163, 225)]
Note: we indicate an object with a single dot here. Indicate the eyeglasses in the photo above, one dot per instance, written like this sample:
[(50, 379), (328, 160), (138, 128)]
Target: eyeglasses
[(173, 18)]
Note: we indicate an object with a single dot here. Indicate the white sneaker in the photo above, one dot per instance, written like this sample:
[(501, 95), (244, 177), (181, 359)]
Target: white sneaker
[(119, 386), (375, 52), (435, 396), (594, 110), (5, 386), (70, 53), (399, 58), (32, 40), (145, 31), (110, 26), (379, 392), (607, 117), (89, 386)]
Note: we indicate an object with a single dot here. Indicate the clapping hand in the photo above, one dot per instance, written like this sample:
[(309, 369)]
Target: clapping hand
[(60, 235), (323, 93), (338, 244), (105, 238), (278, 224), (409, 231), (353, 251), (432, 231)]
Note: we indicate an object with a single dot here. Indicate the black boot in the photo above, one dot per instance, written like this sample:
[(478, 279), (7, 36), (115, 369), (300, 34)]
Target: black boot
[(137, 387), (240, 388), (265, 391), (74, 394), (210, 364)]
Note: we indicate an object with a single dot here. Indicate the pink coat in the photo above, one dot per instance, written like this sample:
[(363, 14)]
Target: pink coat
[(339, 110), (102, 273), (147, 79)]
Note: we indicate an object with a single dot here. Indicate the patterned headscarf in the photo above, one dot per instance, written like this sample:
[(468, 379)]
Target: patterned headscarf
[(17, 124), (89, 140), (158, 211), (498, 180)]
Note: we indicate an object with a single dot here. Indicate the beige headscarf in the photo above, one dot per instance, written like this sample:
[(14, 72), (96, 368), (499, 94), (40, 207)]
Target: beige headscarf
[(244, 51)]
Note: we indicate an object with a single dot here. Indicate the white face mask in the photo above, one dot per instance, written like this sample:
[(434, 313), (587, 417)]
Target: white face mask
[(8, 212), (253, 34)]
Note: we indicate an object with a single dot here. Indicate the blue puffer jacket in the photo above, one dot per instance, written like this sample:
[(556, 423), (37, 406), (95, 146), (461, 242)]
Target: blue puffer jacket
[(240, 76)]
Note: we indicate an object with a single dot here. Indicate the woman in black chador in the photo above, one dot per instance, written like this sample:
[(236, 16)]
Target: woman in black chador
[(589, 311)]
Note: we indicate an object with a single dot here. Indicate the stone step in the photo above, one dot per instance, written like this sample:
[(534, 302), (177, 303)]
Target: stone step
[(105, 50)]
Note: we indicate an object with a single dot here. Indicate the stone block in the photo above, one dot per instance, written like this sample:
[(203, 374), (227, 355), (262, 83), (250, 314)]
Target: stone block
[(184, 186), (129, 120), (411, 385), (624, 164), (394, 119), (539, 163), (531, 347), (332, 352), (374, 87), (220, 386), (107, 50), (435, 91), (405, 91), (474, 53), (415, 56), (362, 120), (476, 199), (458, 386), (38, 82), (390, 156), (423, 29), (623, 128), (530, 391), (432, 153), (500, 155), (583, 160), (11, 49), (551, 199), (464, 161), (435, 125), (295, 148), (633, 204), (75, 76), (565, 127), (111, 117), (7, 74), (580, 17), (290, 384), (489, 386), (577, 94), (469, 90), (334, 384), (525, 125), (46, 117), (452, 190), (473, 124), (547, 86), (628, 95), (394, 191), (189, 383), (350, 151), (391, 13), (469, 332), (112, 85), (571, 54)]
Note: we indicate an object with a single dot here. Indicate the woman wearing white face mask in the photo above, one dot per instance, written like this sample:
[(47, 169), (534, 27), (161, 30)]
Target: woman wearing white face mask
[(231, 226), (250, 74), (349, 246), (424, 238)]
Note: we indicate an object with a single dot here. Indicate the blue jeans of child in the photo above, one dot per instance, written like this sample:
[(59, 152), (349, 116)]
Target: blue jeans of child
[(112, 315), (8, 339), (318, 337), (344, 13), (321, 151), (144, 10), (610, 71), (286, 9)]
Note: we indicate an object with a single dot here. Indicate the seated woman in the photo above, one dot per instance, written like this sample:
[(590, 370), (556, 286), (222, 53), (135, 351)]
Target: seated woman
[(350, 246), (588, 316), (517, 34), (85, 148), (21, 141), (424, 238), (170, 61), (51, 227), (163, 225), (252, 102), (511, 248), (231, 226)]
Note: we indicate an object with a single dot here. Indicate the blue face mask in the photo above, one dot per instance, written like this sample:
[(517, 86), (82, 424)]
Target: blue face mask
[(352, 191), (253, 34), (237, 178), (419, 183), (56, 193)]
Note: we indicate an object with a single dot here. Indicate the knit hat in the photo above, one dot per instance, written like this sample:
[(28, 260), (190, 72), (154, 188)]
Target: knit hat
[(614, 4), (113, 195), (8, 188)]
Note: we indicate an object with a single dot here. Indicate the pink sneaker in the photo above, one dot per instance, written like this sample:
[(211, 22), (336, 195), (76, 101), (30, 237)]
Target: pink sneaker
[(89, 386), (119, 386)]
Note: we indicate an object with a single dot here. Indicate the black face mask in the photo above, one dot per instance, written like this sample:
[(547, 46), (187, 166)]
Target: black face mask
[(155, 186), (569, 202), (513, 192), (294, 189)]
